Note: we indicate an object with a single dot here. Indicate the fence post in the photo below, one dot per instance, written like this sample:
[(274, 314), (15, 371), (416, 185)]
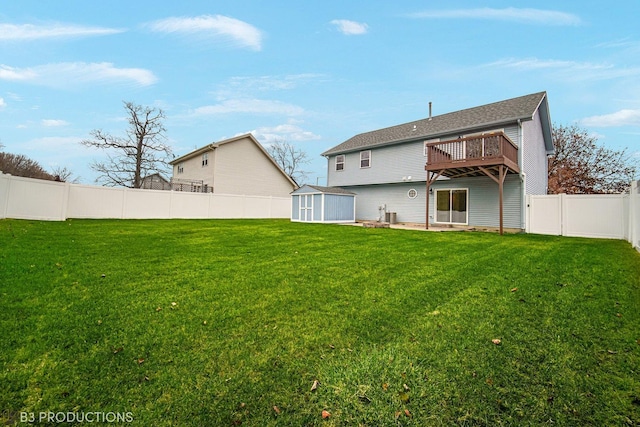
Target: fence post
[(634, 215), (563, 213), (4, 206)]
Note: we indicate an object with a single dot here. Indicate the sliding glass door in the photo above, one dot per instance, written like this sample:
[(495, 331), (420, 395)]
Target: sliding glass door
[(451, 206)]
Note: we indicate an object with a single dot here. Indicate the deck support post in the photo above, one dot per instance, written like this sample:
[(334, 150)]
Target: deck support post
[(502, 174), (431, 177)]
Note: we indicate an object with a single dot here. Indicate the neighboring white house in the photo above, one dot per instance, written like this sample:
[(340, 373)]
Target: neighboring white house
[(472, 167), (238, 165)]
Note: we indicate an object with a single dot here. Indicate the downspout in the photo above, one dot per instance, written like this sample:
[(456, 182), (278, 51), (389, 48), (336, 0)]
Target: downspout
[(523, 180)]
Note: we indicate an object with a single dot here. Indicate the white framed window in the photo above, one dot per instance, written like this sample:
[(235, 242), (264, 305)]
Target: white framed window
[(180, 167), (451, 206), (365, 159), (205, 159), (412, 194), (340, 162)]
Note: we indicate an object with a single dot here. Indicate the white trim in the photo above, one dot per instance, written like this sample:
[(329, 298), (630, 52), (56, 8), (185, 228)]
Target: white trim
[(409, 193), (435, 205), (343, 162)]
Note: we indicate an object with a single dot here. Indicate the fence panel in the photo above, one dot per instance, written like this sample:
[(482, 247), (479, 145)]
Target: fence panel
[(26, 198), (544, 215)]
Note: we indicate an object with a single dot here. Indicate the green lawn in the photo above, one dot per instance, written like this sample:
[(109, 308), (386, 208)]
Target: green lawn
[(226, 323)]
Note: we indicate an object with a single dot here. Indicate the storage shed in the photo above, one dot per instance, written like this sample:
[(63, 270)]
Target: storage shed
[(313, 203)]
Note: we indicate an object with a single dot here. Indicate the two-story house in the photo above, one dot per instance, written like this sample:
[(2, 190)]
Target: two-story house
[(472, 167), (238, 165)]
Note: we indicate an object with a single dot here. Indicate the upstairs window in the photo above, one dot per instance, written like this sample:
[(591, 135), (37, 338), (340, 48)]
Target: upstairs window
[(365, 159), (340, 162), (205, 159), (180, 168)]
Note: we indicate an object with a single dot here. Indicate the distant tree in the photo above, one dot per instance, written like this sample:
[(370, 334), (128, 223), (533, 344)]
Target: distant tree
[(64, 174), (582, 166), (142, 151), (21, 165), (290, 159)]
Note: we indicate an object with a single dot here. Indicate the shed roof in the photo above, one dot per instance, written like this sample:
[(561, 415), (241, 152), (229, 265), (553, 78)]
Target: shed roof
[(319, 189), (502, 112)]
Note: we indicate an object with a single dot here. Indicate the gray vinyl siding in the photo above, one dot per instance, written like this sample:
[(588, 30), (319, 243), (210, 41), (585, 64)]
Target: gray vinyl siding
[(388, 164), (483, 199), (338, 208), (395, 163), (534, 157), (369, 198), (295, 207)]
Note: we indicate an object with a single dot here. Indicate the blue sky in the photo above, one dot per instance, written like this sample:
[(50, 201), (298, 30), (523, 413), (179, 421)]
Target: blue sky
[(312, 73)]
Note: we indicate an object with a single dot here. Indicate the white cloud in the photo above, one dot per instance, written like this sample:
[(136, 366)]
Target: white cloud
[(212, 27), (619, 118), (35, 32), (53, 123), (2, 103), (67, 74), (350, 28), (572, 70), (254, 106), (521, 15), (287, 132)]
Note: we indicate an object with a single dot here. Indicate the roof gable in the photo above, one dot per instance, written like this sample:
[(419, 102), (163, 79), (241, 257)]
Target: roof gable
[(214, 145), (502, 112)]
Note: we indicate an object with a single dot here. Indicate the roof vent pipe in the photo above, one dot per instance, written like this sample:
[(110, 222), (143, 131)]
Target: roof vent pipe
[(429, 110)]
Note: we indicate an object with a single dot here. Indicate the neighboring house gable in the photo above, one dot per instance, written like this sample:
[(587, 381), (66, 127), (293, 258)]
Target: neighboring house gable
[(395, 159), (237, 165), (155, 182)]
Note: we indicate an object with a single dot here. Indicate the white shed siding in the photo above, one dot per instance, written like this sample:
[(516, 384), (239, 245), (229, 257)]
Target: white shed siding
[(242, 168), (534, 157)]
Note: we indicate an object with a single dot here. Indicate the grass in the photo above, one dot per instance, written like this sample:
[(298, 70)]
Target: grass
[(228, 323)]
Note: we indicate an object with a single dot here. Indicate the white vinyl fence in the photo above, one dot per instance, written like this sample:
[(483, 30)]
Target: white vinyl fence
[(609, 216), (26, 198)]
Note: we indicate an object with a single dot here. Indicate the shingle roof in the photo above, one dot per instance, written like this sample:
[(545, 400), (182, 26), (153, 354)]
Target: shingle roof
[(330, 190), (510, 110)]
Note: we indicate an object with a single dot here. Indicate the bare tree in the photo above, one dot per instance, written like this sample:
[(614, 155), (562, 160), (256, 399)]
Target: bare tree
[(582, 166), (142, 151), (21, 165), (64, 174), (290, 159)]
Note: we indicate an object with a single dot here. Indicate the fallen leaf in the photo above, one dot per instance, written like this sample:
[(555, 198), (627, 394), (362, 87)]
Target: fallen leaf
[(489, 381), (406, 387), (618, 314), (496, 341), (159, 309), (204, 323), (325, 414), (117, 350), (397, 414), (364, 399), (315, 385), (276, 410), (612, 352), (99, 322), (332, 347), (385, 386), (514, 289), (404, 397), (407, 413), (140, 361)]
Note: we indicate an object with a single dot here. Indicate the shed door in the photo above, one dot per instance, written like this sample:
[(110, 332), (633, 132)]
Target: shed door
[(306, 207)]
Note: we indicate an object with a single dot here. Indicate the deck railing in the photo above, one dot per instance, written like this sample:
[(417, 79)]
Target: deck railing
[(491, 148)]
